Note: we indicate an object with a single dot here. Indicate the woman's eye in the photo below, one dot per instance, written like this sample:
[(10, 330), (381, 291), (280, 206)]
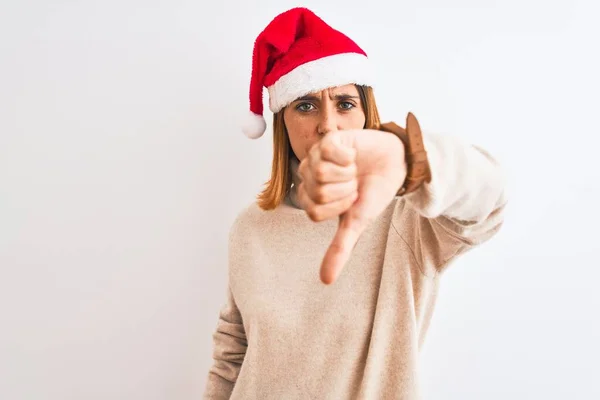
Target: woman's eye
[(304, 107), (346, 105)]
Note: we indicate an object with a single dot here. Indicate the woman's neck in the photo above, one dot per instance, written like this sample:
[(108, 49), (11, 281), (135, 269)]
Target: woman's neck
[(293, 196)]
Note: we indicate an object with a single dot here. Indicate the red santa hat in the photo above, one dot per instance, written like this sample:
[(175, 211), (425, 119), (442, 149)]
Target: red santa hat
[(297, 54)]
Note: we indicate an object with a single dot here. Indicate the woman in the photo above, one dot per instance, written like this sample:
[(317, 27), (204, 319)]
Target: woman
[(392, 214)]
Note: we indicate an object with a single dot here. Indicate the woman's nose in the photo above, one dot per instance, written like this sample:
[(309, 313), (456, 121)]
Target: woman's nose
[(327, 123)]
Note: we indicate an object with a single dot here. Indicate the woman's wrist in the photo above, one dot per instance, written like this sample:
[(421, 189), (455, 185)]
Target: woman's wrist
[(417, 164)]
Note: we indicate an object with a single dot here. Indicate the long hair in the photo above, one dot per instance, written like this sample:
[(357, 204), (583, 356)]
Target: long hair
[(279, 184)]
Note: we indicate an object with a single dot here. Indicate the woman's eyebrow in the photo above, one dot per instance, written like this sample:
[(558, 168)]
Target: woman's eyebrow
[(308, 98), (339, 96), (345, 96)]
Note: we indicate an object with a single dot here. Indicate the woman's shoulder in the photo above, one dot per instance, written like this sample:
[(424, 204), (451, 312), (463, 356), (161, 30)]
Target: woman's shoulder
[(252, 218), (247, 214)]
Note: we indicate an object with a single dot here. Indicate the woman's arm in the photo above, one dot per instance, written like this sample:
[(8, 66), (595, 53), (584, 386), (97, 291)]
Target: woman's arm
[(461, 207), (229, 350), (467, 183)]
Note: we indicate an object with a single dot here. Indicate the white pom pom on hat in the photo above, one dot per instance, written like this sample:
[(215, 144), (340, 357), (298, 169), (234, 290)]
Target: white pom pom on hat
[(297, 54), (255, 126)]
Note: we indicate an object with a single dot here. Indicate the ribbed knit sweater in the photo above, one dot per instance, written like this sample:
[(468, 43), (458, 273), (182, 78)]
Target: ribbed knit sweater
[(282, 334)]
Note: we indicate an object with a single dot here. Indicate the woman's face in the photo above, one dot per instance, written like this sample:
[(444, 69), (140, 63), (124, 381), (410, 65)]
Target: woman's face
[(310, 117)]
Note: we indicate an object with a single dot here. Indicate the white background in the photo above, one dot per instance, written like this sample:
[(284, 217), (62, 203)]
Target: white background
[(122, 166)]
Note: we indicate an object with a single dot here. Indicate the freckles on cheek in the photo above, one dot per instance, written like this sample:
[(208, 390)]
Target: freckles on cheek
[(302, 137), (303, 143), (306, 135)]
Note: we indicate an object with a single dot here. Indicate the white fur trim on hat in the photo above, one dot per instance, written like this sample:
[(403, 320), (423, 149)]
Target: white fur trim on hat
[(331, 71), (254, 126)]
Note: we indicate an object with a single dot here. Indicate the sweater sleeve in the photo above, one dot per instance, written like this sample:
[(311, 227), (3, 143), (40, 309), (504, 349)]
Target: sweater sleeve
[(461, 207), (229, 349)]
